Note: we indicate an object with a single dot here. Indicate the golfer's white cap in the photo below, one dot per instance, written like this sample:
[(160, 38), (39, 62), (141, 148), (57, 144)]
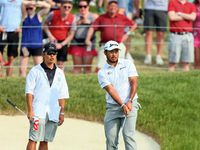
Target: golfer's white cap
[(110, 45)]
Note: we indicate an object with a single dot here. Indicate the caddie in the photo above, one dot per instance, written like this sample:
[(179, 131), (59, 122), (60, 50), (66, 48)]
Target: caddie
[(46, 91)]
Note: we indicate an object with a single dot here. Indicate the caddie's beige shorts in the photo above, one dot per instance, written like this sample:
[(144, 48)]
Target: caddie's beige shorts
[(46, 130)]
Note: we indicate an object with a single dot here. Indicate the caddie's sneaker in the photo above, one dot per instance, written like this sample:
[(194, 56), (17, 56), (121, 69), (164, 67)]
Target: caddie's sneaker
[(129, 57), (147, 59), (159, 60)]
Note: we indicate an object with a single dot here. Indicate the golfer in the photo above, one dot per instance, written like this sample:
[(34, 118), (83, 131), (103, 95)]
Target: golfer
[(119, 78), (46, 91)]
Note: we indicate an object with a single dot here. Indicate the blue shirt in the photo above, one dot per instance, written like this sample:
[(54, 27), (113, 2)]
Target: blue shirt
[(10, 14)]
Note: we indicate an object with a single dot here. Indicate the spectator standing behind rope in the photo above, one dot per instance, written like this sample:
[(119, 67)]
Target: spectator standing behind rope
[(196, 34), (31, 43), (111, 25), (155, 14), (10, 29), (181, 41), (79, 52), (60, 26)]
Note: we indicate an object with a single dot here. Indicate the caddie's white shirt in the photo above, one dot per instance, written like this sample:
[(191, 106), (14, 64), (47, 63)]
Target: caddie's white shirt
[(46, 98), (118, 77)]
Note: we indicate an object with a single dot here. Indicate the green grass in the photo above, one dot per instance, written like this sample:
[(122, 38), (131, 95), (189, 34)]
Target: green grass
[(170, 107)]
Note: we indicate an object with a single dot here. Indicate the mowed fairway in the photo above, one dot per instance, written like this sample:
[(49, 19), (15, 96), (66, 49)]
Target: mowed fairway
[(170, 104)]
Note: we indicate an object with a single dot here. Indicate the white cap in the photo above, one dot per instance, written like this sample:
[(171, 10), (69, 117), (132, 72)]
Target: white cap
[(110, 45)]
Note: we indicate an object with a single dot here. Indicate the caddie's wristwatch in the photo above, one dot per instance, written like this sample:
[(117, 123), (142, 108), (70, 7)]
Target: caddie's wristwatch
[(130, 100)]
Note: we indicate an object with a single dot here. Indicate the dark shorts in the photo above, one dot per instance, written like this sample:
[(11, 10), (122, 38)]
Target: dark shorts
[(33, 52), (62, 53), (12, 41), (154, 18)]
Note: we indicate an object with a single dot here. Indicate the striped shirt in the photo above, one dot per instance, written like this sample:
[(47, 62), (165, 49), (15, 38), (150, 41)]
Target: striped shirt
[(118, 77)]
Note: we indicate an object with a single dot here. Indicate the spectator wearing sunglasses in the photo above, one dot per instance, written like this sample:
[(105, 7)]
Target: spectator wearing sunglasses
[(80, 53), (60, 26), (10, 29), (31, 43)]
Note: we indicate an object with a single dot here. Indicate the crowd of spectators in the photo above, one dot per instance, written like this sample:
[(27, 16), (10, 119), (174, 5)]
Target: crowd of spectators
[(118, 20)]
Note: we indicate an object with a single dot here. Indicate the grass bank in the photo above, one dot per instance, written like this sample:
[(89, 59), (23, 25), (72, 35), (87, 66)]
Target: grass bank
[(170, 108)]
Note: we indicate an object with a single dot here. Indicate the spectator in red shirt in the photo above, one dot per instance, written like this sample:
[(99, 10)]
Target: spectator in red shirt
[(181, 15), (111, 25), (60, 27)]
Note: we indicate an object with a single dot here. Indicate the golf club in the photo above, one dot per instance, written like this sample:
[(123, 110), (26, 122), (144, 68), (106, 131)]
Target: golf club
[(16, 107), (120, 133)]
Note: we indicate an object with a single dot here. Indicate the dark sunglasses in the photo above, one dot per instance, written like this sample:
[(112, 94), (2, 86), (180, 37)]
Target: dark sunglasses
[(81, 6), (29, 8), (67, 7), (51, 53)]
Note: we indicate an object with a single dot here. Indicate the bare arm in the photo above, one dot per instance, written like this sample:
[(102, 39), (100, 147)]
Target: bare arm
[(88, 37), (125, 36), (110, 89), (52, 39), (175, 17), (134, 85), (67, 40), (62, 105), (191, 16), (29, 100), (45, 9), (23, 9), (52, 3), (136, 4)]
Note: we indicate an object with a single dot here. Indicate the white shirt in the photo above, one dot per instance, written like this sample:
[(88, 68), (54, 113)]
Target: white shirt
[(45, 98), (118, 77)]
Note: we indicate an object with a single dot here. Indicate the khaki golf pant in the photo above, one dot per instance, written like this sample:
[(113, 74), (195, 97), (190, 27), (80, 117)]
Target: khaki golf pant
[(114, 120)]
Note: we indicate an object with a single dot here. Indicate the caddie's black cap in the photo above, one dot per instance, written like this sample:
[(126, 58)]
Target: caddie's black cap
[(49, 47)]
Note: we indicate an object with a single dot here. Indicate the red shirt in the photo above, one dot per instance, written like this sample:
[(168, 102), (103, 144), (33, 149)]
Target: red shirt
[(106, 25), (60, 33), (183, 25)]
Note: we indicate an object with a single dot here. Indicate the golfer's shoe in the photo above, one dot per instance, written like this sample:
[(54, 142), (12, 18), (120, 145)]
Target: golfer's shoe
[(147, 59), (159, 60)]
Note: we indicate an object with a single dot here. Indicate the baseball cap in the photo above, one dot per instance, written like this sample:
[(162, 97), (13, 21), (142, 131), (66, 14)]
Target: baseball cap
[(110, 45), (49, 47), (110, 1)]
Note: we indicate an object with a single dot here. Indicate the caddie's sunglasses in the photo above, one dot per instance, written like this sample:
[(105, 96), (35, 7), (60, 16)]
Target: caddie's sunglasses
[(67, 7), (81, 6), (29, 8), (51, 53)]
